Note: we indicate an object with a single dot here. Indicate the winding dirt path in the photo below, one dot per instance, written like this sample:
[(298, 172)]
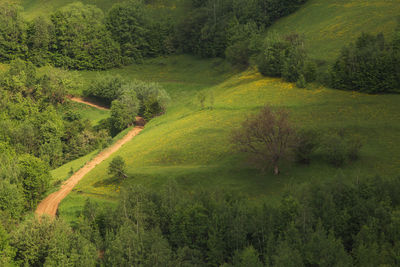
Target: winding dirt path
[(83, 101), (50, 204)]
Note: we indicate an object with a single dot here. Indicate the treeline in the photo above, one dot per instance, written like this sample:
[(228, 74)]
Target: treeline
[(323, 224), (371, 65), (80, 36), (215, 28), (128, 99)]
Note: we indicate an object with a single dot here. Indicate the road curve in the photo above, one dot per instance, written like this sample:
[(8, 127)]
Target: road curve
[(82, 101), (50, 204)]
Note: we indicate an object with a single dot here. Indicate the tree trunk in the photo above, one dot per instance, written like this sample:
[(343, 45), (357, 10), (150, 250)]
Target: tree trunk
[(276, 169)]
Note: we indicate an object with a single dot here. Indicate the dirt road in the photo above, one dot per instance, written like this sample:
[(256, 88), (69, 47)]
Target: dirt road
[(50, 204), (81, 100)]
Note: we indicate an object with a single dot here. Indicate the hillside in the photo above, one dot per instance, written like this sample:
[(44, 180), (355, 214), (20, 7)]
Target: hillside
[(193, 146), (199, 133), (328, 25)]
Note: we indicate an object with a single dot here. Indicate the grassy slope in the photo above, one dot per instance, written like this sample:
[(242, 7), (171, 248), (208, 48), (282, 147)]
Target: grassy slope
[(328, 25), (193, 146)]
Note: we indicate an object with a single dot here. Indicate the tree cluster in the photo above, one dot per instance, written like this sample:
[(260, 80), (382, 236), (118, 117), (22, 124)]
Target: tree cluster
[(371, 65), (286, 57), (269, 138), (322, 224), (215, 28), (39, 130), (128, 99), (80, 36)]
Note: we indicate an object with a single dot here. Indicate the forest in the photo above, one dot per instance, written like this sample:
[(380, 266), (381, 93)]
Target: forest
[(343, 211)]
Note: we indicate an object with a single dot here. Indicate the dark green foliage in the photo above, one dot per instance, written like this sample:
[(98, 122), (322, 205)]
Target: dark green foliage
[(128, 26), (51, 243), (210, 28), (20, 77), (241, 42), (12, 32), (56, 83), (301, 82), (306, 144), (216, 229), (40, 37), (106, 87), (339, 149), (369, 65), (286, 58), (35, 178), (81, 40), (129, 99), (116, 168), (6, 251), (11, 198), (153, 99), (247, 257)]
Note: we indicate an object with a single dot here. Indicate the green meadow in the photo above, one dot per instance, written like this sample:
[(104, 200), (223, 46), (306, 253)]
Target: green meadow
[(193, 146)]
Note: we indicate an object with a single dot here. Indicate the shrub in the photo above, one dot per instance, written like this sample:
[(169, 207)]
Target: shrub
[(369, 65), (238, 54), (269, 62), (301, 82), (335, 150), (284, 57), (152, 97), (354, 147), (339, 149), (116, 168), (306, 144), (106, 87)]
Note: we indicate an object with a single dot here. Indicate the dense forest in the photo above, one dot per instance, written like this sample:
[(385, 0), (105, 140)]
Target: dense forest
[(333, 223), (325, 224)]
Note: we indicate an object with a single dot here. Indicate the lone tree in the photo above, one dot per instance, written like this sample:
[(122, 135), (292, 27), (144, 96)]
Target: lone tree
[(267, 137), (117, 168)]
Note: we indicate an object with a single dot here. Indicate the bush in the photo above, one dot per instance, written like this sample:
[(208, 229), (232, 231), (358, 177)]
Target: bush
[(339, 149), (301, 82), (238, 54), (335, 150), (307, 142), (270, 61), (285, 57), (369, 65), (152, 97), (106, 87), (354, 147)]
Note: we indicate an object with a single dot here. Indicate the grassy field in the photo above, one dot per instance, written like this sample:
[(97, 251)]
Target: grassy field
[(35, 8), (92, 114), (193, 146), (328, 25)]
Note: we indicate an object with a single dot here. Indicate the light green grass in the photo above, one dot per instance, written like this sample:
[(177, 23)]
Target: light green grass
[(328, 25), (34, 8), (92, 114), (193, 145)]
